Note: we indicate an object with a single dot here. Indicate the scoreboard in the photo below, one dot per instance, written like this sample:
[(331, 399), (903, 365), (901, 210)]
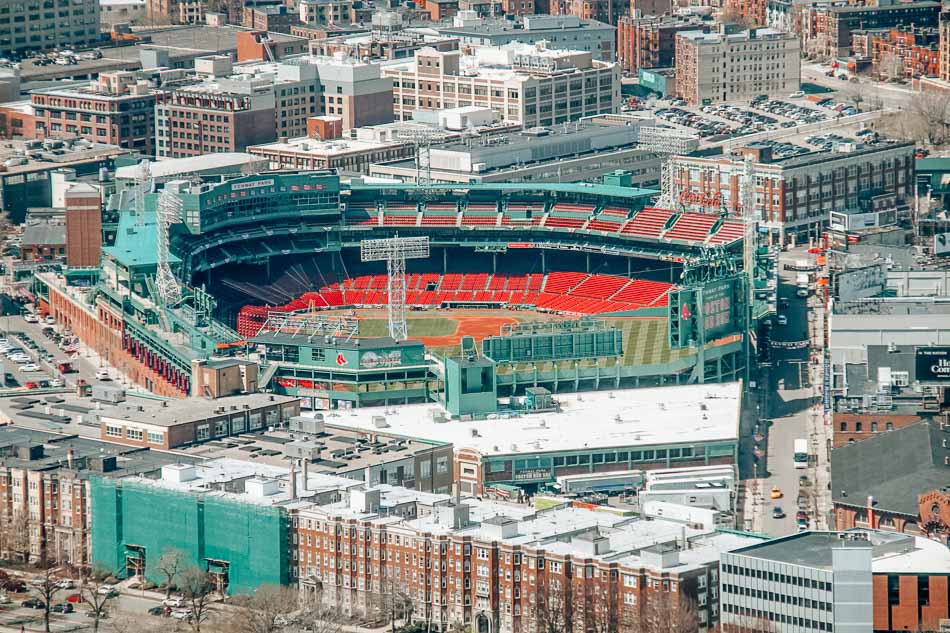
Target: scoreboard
[(715, 307)]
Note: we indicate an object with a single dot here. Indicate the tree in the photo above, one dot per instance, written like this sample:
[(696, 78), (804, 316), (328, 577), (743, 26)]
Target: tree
[(16, 535), (669, 613), (265, 609), (552, 610), (197, 589), (930, 111), (46, 589), (170, 564), (96, 595), (319, 617)]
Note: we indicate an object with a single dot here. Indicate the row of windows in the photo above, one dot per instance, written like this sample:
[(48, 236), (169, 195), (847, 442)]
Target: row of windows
[(762, 574), (778, 617), (761, 594)]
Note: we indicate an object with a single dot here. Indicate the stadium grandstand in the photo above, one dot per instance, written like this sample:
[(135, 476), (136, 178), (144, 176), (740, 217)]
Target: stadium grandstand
[(248, 248)]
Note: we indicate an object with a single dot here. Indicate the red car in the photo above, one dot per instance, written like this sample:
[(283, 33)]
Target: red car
[(801, 516), (74, 598)]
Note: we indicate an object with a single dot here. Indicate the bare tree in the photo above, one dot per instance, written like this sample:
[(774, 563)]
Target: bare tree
[(266, 610), (748, 624), (553, 611), (319, 617), (890, 66), (930, 112), (46, 589), (197, 589), (96, 594), (16, 535), (170, 564), (670, 613)]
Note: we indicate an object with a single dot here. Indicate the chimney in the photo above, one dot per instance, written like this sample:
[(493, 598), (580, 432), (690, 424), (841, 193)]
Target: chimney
[(871, 512), (69, 458), (293, 479), (306, 473)]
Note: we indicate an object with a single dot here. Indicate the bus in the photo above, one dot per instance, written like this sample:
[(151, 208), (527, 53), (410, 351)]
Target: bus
[(801, 454)]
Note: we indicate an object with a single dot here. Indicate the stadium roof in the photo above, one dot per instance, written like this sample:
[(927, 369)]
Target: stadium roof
[(136, 243), (691, 414), (573, 188)]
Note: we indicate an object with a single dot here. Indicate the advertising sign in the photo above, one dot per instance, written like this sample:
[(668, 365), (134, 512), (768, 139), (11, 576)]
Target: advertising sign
[(374, 360), (933, 364), (860, 283)]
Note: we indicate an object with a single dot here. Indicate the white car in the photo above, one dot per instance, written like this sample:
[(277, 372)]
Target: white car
[(29, 317), (174, 601), (56, 382), (66, 583), (181, 614), (105, 590), (103, 374), (30, 367), (21, 360), (49, 320), (797, 95)]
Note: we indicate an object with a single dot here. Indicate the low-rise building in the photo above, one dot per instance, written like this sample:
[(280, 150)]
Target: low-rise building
[(274, 19), (325, 12), (736, 66), (58, 24), (795, 195), (346, 155), (558, 31), (580, 152), (43, 241), (113, 12), (904, 52), (530, 84), (169, 424), (388, 39), (857, 580), (827, 28), (534, 449)]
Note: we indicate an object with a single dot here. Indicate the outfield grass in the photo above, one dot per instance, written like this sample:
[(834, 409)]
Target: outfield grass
[(426, 326)]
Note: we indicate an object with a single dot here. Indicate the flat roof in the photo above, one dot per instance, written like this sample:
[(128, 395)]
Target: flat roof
[(33, 156), (182, 411), (330, 147), (191, 164), (891, 552), (554, 187), (542, 24), (691, 414)]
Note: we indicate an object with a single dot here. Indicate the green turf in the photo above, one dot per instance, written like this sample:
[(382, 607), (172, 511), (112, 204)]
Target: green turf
[(417, 327)]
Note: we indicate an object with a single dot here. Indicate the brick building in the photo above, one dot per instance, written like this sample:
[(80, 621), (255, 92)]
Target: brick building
[(83, 226), (650, 41), (18, 120), (827, 28), (44, 490), (900, 52), (876, 482), (507, 567), (275, 19), (795, 195), (118, 109), (43, 241)]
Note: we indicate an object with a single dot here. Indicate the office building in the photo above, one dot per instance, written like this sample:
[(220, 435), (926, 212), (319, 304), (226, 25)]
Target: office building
[(113, 12), (118, 109), (559, 31), (387, 39), (507, 567), (269, 18), (853, 581), (43, 26), (795, 195), (530, 84), (729, 66), (325, 12)]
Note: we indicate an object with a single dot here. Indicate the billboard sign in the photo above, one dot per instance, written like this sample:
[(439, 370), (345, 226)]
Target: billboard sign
[(933, 364), (860, 283), (942, 244), (377, 360), (714, 306)]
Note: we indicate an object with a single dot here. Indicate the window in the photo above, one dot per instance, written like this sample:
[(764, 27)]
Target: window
[(113, 431), (156, 438), (134, 434), (203, 432)]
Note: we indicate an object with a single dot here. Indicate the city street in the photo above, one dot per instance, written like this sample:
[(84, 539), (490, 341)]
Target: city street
[(793, 395)]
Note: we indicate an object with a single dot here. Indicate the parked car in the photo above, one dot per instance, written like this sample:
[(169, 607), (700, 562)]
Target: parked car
[(29, 317), (49, 320), (30, 367), (66, 583), (778, 513), (64, 607), (103, 374), (174, 602), (33, 603), (159, 611), (782, 319), (181, 614)]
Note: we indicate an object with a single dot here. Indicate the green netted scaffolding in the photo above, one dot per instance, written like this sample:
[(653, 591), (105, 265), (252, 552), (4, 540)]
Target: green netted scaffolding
[(138, 520)]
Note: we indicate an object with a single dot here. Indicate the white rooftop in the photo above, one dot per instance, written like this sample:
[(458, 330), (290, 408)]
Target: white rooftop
[(175, 166), (927, 557), (329, 147), (600, 419)]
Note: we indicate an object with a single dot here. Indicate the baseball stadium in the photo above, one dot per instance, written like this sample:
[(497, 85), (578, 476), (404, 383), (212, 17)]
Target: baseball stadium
[(362, 294)]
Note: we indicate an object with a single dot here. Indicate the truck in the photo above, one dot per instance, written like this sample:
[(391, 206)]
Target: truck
[(802, 280), (800, 456)]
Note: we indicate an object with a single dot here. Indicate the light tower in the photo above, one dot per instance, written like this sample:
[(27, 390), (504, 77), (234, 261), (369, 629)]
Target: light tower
[(666, 143), (169, 212), (395, 251)]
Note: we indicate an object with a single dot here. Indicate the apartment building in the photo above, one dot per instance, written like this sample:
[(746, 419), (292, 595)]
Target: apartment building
[(559, 31), (827, 28), (118, 109), (846, 582), (650, 41), (268, 18), (527, 83), (900, 52), (506, 567), (41, 26), (733, 66), (45, 495), (794, 196)]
